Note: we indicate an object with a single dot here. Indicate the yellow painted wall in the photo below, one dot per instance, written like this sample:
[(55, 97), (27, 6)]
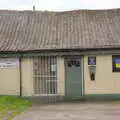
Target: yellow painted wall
[(106, 81), (9, 80), (27, 76), (61, 76)]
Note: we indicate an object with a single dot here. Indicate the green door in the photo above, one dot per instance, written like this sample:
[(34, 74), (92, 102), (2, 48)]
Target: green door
[(73, 81)]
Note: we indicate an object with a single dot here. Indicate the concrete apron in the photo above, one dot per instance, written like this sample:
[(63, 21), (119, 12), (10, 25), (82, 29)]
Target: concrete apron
[(105, 110)]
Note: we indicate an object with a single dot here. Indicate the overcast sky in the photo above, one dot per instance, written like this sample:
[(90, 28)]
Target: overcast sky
[(58, 5)]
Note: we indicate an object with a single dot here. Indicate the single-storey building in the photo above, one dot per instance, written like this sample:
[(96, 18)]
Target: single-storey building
[(69, 54)]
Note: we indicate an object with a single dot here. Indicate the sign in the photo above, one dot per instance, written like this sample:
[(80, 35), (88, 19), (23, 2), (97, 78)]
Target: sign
[(117, 63), (53, 68), (91, 60), (9, 63)]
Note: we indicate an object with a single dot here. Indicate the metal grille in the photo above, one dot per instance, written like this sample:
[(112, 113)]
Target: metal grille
[(45, 75)]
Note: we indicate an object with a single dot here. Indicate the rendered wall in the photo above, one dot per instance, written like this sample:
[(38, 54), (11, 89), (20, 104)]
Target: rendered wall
[(61, 76), (27, 77), (106, 81), (9, 80)]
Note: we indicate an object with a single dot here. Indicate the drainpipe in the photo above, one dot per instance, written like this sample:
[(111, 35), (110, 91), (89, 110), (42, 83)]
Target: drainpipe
[(20, 72)]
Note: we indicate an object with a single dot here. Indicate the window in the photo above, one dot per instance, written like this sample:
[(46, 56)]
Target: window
[(45, 75), (116, 63)]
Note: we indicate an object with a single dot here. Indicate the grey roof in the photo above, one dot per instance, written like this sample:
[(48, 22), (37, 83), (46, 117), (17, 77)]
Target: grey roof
[(80, 29)]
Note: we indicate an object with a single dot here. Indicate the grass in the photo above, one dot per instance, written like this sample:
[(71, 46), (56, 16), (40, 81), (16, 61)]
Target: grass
[(11, 106)]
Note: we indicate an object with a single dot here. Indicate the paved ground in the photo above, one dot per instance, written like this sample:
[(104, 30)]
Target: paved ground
[(73, 111)]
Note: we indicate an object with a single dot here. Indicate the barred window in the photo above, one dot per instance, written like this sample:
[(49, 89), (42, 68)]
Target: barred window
[(45, 75)]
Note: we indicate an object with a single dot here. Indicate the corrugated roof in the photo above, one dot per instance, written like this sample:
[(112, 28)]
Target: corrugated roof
[(80, 29)]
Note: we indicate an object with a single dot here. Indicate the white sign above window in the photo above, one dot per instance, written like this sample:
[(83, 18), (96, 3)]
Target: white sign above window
[(9, 63), (53, 68)]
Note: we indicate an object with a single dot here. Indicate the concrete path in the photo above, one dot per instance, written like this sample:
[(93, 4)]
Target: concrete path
[(73, 111)]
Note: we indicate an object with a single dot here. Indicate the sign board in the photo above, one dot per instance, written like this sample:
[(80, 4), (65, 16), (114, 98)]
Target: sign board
[(53, 68), (91, 60), (9, 63), (117, 62)]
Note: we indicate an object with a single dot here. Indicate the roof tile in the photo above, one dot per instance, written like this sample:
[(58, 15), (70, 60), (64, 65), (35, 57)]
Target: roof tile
[(81, 29)]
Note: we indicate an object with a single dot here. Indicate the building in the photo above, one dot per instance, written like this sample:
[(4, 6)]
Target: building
[(69, 54)]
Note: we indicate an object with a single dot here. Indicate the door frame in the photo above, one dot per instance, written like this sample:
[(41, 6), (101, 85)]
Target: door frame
[(82, 71)]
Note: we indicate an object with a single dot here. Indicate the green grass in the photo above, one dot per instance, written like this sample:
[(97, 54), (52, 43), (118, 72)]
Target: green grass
[(11, 106)]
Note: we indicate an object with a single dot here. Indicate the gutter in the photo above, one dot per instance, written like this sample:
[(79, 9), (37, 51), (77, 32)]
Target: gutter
[(60, 52)]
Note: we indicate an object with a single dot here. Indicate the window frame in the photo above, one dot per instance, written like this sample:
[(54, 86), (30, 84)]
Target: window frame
[(114, 69), (49, 78)]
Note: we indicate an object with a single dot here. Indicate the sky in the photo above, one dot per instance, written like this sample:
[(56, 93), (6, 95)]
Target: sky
[(58, 5)]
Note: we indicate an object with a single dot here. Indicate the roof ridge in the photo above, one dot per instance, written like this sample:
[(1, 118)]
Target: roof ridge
[(66, 11)]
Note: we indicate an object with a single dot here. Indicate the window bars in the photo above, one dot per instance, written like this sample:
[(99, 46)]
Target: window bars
[(45, 75)]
